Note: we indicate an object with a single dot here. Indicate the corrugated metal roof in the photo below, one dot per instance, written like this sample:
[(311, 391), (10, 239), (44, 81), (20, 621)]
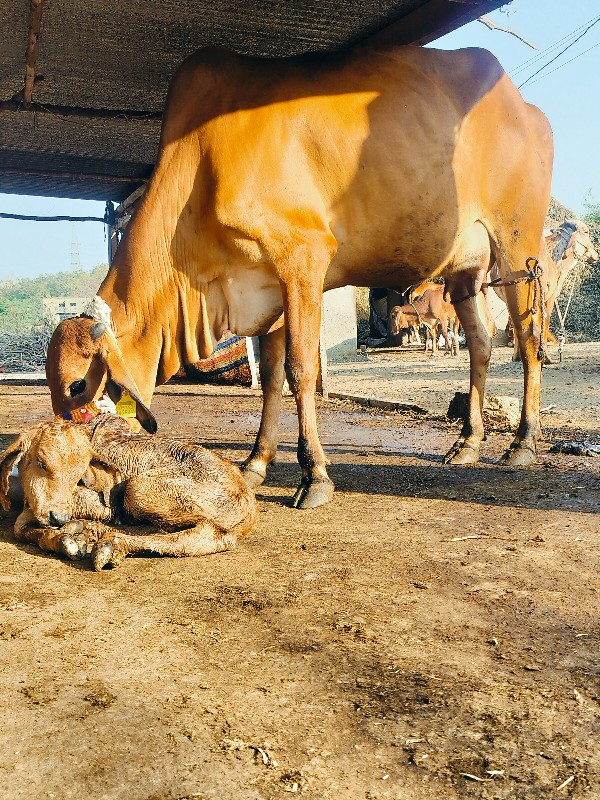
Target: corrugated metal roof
[(111, 56)]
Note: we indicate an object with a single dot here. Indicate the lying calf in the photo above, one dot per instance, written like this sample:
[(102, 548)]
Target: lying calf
[(78, 480)]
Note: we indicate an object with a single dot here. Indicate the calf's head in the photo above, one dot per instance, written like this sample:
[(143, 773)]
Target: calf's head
[(84, 360), (398, 320), (53, 458)]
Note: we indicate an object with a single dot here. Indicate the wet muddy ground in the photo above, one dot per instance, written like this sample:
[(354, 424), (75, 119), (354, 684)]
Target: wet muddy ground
[(432, 633)]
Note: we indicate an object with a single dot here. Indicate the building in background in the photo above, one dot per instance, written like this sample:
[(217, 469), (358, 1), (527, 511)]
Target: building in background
[(56, 309)]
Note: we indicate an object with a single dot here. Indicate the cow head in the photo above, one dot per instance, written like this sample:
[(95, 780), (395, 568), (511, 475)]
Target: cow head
[(53, 458), (84, 360), (583, 245), (398, 321), (573, 236)]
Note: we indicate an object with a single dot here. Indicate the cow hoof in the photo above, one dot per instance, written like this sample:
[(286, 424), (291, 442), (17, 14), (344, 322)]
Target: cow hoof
[(253, 477), (313, 493), (519, 455), (73, 546), (72, 542), (103, 555), (462, 453)]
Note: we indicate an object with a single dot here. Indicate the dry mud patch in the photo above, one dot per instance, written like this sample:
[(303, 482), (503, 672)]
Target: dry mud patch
[(432, 633)]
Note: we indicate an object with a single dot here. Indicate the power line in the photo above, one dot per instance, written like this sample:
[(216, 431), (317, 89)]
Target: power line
[(542, 53), (560, 66), (561, 52)]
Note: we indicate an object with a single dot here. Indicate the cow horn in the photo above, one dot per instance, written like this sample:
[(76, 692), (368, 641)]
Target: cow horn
[(97, 330)]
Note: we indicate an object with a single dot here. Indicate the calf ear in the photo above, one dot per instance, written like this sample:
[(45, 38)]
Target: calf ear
[(9, 459), (119, 380)]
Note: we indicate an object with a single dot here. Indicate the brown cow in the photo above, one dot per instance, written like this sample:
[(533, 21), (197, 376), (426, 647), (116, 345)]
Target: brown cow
[(429, 309), (100, 473), (277, 180), (567, 246)]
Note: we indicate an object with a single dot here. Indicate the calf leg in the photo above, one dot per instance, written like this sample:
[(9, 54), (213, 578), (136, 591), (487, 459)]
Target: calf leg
[(204, 518), (71, 540), (444, 328), (466, 448), (271, 369), (114, 544)]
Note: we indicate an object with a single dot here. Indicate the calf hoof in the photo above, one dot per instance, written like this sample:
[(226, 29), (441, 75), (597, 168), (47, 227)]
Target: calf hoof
[(252, 477), (313, 493), (462, 453), (105, 555), (519, 455), (72, 543)]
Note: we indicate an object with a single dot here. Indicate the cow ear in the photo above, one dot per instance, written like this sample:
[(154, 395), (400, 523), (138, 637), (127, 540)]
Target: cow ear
[(8, 460), (120, 380)]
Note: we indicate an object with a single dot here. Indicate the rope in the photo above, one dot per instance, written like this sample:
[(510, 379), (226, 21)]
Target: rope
[(562, 318), (533, 275), (430, 328)]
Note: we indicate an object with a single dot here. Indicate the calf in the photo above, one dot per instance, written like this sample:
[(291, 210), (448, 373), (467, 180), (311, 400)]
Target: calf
[(429, 309), (80, 480)]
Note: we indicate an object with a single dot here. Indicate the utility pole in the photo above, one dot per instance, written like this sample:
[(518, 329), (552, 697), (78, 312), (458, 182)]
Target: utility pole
[(75, 254)]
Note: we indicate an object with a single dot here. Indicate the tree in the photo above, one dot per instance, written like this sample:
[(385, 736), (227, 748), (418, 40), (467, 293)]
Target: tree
[(592, 213), (21, 300)]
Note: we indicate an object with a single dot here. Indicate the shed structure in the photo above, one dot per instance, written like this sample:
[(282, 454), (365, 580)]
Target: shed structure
[(82, 84)]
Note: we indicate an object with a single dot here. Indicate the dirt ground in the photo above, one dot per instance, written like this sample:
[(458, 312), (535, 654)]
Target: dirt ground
[(432, 633)]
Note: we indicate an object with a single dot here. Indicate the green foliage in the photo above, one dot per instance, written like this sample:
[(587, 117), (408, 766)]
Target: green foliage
[(21, 300), (592, 213)]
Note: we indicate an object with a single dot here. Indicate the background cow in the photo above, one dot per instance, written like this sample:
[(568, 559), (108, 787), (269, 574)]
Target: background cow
[(428, 308), (568, 245), (277, 180)]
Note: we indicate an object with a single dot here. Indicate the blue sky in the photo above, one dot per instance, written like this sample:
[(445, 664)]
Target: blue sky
[(569, 96)]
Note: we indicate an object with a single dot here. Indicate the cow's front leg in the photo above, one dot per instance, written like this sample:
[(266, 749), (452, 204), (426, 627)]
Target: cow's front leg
[(302, 303), (68, 540), (466, 448), (75, 538), (271, 370)]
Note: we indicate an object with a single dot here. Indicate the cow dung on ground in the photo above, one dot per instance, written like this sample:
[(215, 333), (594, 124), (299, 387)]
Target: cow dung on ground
[(500, 412)]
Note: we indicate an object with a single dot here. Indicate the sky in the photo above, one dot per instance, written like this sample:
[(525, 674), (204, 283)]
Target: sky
[(567, 90)]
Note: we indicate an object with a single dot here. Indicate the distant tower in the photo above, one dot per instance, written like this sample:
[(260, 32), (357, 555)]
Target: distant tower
[(75, 255)]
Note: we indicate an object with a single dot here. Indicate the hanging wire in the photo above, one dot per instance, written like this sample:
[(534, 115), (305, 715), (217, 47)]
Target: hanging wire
[(560, 66), (543, 53), (31, 218), (581, 35)]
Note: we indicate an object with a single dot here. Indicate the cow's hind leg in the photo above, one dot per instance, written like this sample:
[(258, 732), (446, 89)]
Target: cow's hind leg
[(466, 448), (114, 544), (530, 337), (188, 519), (271, 369)]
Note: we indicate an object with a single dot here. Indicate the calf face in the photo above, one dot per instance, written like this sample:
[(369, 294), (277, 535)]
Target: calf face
[(398, 321), (53, 458)]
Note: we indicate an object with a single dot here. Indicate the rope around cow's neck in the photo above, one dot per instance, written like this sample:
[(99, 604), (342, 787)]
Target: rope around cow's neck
[(419, 317)]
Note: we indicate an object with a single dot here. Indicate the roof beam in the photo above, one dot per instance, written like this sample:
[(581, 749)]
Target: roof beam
[(14, 104), (33, 39), (432, 20), (85, 176)]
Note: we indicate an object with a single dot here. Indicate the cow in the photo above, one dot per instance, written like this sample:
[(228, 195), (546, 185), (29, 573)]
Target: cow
[(567, 245), (279, 179), (79, 479), (429, 309)]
